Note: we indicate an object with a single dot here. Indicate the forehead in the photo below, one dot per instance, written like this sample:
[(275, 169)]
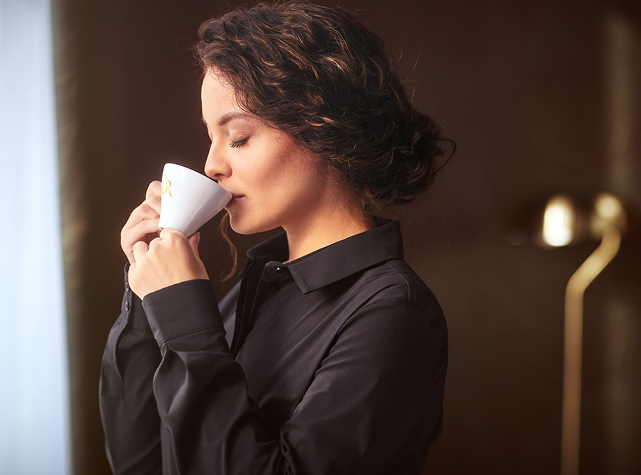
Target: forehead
[(214, 87), (219, 106)]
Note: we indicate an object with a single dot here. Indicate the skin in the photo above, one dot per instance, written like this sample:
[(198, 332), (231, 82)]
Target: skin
[(274, 181)]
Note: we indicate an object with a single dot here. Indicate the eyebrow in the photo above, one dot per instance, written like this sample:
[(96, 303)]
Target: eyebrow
[(231, 116), (234, 115)]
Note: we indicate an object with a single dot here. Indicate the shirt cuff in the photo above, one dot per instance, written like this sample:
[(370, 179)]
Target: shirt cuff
[(182, 308), (132, 307)]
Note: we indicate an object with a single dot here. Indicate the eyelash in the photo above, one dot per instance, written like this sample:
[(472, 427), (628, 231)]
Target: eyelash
[(238, 143)]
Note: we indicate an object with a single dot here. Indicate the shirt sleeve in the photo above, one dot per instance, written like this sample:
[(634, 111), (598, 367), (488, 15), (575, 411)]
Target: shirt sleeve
[(127, 404), (378, 392)]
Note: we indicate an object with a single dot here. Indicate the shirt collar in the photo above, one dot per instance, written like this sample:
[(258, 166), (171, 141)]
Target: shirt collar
[(336, 261)]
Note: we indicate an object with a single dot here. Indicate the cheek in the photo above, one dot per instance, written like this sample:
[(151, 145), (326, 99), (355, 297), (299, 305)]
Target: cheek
[(303, 189), (266, 176), (294, 180), (278, 171)]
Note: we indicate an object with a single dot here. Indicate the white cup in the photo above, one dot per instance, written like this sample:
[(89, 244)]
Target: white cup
[(189, 199)]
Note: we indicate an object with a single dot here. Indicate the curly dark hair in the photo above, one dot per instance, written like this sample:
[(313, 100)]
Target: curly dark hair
[(317, 73)]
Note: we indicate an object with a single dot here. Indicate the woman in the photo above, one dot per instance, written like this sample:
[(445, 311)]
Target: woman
[(329, 356)]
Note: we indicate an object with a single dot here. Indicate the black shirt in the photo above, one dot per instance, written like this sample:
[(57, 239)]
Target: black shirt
[(331, 364)]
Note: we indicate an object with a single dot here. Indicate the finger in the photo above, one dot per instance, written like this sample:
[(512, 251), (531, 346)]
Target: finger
[(143, 231), (132, 278), (131, 272), (154, 242), (154, 189), (139, 249), (142, 212), (152, 196), (140, 218), (154, 202), (130, 257), (148, 226), (171, 233)]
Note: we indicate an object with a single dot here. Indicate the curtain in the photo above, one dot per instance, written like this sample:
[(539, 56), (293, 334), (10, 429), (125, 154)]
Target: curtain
[(34, 413)]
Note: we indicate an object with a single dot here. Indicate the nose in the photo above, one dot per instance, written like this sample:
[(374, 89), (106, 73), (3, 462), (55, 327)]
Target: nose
[(217, 167)]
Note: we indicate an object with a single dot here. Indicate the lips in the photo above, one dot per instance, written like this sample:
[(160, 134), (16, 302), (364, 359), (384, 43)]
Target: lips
[(234, 199), (234, 195)]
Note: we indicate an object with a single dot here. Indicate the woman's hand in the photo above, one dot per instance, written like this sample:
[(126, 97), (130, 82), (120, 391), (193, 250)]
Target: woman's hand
[(169, 259), (142, 225)]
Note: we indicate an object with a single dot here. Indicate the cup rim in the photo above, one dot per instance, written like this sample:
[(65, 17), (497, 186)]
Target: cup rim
[(195, 173)]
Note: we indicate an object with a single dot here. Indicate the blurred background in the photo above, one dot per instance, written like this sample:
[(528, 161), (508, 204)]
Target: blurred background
[(541, 97)]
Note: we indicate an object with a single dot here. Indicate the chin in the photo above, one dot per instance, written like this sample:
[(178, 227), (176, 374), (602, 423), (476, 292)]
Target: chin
[(243, 227)]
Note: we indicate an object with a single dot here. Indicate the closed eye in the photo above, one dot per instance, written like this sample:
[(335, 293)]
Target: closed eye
[(238, 143)]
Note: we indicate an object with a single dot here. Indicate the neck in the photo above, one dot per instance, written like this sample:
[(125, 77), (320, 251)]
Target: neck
[(332, 225)]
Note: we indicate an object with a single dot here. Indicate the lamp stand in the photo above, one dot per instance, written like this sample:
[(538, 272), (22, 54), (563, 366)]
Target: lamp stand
[(571, 409)]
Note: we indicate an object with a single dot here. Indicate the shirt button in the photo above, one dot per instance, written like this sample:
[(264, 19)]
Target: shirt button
[(271, 286), (127, 286), (126, 306), (279, 269)]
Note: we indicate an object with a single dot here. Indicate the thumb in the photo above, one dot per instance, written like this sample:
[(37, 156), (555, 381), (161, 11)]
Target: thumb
[(194, 240)]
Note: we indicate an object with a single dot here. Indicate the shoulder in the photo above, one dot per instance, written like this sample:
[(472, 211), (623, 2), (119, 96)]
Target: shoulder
[(392, 299), (398, 323), (393, 282)]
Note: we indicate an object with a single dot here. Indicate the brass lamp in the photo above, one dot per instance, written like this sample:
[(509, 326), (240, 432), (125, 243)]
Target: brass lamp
[(560, 222)]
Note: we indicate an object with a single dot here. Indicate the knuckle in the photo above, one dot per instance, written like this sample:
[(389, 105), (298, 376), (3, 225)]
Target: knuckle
[(175, 235), (151, 204), (139, 246)]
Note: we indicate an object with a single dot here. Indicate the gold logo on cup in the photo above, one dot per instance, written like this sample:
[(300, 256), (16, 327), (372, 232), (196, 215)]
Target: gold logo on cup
[(166, 185)]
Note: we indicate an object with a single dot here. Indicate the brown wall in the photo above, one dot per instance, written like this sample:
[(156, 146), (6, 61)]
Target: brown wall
[(537, 95)]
